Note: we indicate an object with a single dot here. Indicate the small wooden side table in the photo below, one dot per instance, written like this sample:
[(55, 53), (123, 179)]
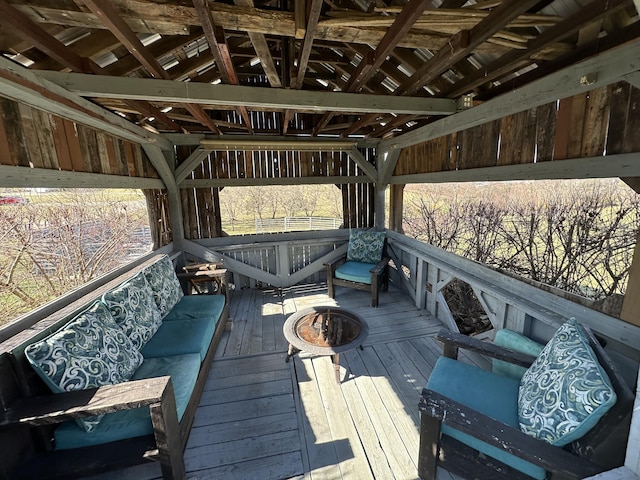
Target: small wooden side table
[(206, 278)]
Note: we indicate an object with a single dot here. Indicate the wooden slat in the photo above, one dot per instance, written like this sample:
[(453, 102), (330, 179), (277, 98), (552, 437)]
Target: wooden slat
[(596, 123), (631, 138), (619, 109), (546, 116)]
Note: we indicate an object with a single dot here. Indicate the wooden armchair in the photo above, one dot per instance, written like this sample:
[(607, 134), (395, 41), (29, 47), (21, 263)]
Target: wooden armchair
[(471, 443), (364, 267)]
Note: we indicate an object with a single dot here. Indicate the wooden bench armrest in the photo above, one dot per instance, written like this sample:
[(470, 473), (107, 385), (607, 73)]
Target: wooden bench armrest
[(333, 264), (453, 340), (380, 266), (460, 417), (60, 407)]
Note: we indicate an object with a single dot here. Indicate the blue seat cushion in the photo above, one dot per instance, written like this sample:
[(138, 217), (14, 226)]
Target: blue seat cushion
[(183, 370), (355, 272), (191, 335), (491, 394), (197, 306)]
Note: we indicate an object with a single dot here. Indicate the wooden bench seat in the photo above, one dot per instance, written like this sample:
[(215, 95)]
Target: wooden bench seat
[(29, 412)]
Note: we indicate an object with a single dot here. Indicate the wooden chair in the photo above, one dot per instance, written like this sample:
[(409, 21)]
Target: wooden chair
[(364, 267), (601, 448)]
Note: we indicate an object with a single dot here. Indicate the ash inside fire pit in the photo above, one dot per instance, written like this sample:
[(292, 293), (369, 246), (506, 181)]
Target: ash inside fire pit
[(325, 330)]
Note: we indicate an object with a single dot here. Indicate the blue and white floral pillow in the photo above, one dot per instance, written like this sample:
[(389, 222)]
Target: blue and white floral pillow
[(164, 284), (365, 247), (133, 308), (565, 391), (89, 351)]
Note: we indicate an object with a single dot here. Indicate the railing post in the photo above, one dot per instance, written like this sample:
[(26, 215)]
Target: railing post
[(283, 263)]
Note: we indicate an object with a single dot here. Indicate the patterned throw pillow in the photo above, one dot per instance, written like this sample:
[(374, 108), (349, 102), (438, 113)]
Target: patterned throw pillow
[(133, 308), (365, 247), (565, 391), (89, 351), (164, 284)]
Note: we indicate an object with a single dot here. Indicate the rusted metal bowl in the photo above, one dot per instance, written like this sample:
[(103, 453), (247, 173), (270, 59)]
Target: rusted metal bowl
[(325, 330)]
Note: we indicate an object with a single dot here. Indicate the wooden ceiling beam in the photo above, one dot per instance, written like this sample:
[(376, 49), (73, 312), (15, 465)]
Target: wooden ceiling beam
[(42, 40), (460, 45), (411, 12), (613, 40), (262, 51), (220, 51), (128, 64), (511, 61), (305, 51), (111, 18), (463, 43), (604, 69), (232, 95)]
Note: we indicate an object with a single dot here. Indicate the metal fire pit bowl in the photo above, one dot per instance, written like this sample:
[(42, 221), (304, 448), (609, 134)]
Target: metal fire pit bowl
[(325, 331)]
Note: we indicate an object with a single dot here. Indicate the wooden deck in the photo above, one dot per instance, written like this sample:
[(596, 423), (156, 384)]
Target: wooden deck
[(263, 418)]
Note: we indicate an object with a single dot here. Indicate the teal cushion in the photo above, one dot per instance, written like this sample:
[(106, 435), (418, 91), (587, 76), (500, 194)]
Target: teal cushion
[(183, 370), (197, 306), (164, 284), (133, 308), (565, 392), (493, 395), (365, 247), (191, 335), (89, 351), (355, 271), (514, 341)]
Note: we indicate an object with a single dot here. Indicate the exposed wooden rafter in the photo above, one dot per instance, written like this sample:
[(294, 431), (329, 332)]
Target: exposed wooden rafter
[(509, 62), (111, 18), (371, 62), (65, 56), (217, 43), (263, 52), (458, 47), (310, 31)]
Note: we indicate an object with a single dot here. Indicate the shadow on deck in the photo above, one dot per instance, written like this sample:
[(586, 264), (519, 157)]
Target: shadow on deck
[(260, 417)]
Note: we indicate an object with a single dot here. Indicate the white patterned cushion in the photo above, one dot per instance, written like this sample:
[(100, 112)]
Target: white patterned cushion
[(133, 308), (565, 391), (89, 351), (164, 284), (365, 247)]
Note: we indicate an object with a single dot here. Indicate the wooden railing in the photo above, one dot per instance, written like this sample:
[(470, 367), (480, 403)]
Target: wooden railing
[(422, 271)]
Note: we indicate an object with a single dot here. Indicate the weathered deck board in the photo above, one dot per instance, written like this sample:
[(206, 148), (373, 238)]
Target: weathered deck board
[(260, 417)]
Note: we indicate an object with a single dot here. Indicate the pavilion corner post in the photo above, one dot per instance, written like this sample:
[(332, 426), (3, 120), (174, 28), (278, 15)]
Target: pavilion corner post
[(380, 213), (163, 162)]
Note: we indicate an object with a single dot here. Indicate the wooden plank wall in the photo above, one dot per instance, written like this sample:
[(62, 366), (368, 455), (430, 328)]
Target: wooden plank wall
[(201, 206), (586, 125), (33, 138), (159, 218), (236, 164)]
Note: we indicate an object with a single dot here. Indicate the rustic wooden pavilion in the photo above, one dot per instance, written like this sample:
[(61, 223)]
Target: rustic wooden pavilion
[(182, 98)]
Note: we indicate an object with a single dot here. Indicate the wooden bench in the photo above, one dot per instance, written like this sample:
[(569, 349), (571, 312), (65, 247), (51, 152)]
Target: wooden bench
[(29, 411)]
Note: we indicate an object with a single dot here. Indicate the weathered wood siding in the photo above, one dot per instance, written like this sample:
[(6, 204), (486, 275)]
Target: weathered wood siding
[(201, 206), (34, 138), (595, 123)]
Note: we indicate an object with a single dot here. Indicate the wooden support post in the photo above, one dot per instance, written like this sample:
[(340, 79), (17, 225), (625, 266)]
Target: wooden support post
[(380, 207), (631, 304), (396, 204)]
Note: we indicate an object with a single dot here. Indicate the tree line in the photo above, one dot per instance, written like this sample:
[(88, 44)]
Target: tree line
[(575, 235)]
